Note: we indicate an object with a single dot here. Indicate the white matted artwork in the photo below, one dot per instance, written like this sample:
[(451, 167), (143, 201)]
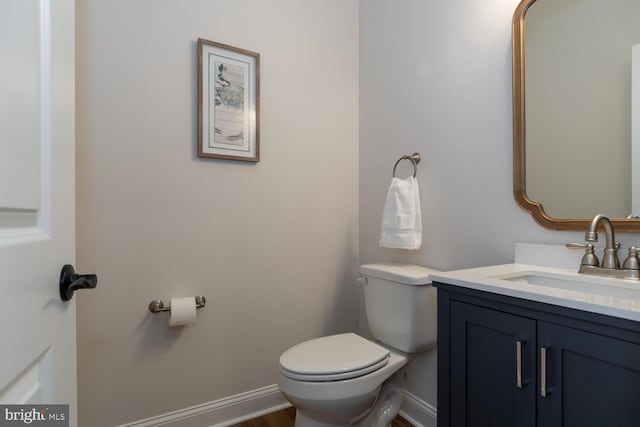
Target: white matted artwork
[(228, 102)]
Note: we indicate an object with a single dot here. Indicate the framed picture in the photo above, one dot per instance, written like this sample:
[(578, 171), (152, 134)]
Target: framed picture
[(228, 102)]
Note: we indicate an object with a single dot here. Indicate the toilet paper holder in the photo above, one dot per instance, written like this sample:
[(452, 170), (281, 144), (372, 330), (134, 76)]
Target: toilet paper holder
[(157, 306)]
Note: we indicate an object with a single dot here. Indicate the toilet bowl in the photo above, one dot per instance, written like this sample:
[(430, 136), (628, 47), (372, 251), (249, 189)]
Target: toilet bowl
[(347, 380), (343, 390)]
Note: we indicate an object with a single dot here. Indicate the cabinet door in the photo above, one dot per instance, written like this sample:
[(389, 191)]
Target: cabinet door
[(591, 380), (485, 360)]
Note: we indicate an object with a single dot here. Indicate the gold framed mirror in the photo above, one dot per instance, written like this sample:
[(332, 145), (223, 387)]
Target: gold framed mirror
[(558, 177)]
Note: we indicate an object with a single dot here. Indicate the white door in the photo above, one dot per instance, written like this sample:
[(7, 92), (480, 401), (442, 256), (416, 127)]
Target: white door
[(37, 329)]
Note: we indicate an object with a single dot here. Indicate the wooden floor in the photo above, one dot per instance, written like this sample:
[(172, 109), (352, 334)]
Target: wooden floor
[(286, 417)]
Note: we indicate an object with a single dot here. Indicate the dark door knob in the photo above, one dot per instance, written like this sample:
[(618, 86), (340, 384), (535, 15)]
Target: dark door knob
[(71, 282)]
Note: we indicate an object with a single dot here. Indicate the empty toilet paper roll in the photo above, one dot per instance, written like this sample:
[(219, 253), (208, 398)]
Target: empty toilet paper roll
[(183, 311)]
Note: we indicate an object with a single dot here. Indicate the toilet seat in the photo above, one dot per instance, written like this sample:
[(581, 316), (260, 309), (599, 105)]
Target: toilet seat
[(335, 377), (333, 358)]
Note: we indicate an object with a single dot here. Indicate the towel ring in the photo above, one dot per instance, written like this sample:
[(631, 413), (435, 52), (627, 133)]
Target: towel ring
[(414, 158)]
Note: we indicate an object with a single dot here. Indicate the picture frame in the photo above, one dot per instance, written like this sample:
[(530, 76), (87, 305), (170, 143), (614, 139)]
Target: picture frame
[(228, 102)]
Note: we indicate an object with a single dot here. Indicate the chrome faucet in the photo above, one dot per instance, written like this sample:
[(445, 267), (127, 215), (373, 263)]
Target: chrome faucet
[(610, 265)]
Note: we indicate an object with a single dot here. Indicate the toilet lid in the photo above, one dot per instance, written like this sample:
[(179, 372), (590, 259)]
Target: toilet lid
[(336, 357)]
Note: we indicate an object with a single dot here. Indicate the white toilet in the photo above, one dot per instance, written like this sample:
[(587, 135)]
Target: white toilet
[(347, 380)]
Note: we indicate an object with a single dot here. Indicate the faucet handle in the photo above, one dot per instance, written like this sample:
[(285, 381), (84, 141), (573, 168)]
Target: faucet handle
[(632, 262), (579, 245), (590, 257)]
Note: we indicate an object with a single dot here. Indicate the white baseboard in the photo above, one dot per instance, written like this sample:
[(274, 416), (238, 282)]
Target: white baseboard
[(245, 406), (221, 413), (418, 412)]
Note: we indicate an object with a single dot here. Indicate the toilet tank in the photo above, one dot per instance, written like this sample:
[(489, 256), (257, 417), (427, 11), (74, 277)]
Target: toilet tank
[(401, 305)]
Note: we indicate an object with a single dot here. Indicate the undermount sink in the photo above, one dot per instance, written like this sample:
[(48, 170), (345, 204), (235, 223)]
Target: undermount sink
[(572, 282), (541, 278)]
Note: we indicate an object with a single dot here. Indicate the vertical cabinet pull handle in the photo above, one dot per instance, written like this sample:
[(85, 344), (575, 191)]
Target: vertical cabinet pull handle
[(543, 372), (519, 364)]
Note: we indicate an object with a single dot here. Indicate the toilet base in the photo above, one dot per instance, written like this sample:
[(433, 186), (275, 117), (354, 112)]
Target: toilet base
[(383, 412)]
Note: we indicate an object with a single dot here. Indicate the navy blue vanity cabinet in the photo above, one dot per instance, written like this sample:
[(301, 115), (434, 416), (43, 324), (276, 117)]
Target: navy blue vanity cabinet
[(509, 362), (486, 348), (592, 380)]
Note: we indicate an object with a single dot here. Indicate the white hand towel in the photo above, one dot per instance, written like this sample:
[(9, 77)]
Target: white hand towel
[(402, 217)]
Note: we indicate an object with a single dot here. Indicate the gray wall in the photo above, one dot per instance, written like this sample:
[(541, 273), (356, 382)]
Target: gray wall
[(273, 246)]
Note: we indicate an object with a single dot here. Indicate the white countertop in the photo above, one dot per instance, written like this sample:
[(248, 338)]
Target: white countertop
[(613, 297)]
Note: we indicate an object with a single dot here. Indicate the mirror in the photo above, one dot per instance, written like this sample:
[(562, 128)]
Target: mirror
[(574, 111)]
